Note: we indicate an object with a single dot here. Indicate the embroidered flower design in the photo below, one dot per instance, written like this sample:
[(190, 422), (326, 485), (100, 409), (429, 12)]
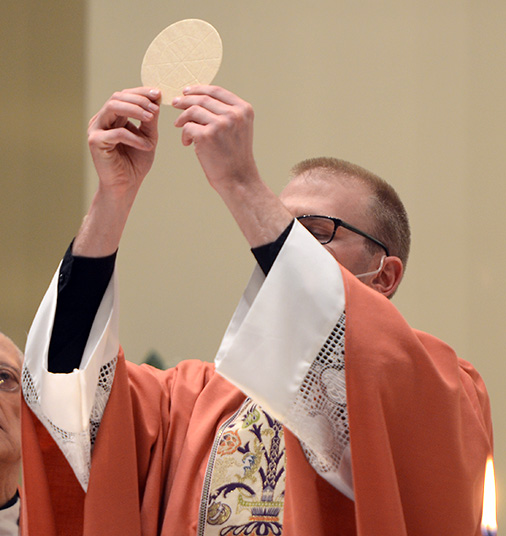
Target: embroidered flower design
[(229, 443)]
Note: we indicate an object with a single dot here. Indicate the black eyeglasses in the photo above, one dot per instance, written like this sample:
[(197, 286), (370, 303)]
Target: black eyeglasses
[(324, 228)]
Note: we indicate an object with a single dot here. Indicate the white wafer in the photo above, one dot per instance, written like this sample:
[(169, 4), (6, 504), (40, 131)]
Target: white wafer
[(185, 53)]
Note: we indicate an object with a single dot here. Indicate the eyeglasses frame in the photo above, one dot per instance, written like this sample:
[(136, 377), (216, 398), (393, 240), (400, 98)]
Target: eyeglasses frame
[(338, 222), (16, 378)]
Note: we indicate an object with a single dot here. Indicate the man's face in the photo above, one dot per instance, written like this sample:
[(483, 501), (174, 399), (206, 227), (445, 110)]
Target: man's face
[(10, 402), (348, 200)]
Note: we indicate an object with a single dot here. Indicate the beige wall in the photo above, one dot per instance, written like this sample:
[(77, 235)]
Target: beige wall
[(412, 90), (41, 146)]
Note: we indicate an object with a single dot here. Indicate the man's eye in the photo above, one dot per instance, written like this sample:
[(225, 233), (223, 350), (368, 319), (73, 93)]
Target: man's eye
[(321, 232), (318, 233), (8, 381)]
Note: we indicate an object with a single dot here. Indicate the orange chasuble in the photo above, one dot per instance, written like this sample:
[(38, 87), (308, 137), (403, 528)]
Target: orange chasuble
[(420, 433), (420, 425)]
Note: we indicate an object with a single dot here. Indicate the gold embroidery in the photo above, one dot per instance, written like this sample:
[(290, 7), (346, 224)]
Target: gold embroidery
[(248, 479)]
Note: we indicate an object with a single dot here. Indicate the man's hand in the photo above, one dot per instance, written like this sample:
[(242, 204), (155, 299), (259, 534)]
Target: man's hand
[(123, 154), (220, 126)]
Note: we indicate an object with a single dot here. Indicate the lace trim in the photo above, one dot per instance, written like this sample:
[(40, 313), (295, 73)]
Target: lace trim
[(76, 447), (105, 381), (320, 410)]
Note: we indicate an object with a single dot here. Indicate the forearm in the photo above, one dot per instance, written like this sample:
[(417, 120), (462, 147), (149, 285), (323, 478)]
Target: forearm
[(102, 227), (122, 153), (257, 210), (220, 125)]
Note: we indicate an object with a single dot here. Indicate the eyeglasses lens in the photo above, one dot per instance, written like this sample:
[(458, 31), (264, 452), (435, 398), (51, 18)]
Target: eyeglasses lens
[(321, 228), (8, 381)]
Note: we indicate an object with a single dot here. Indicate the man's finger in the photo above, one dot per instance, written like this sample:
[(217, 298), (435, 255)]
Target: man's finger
[(137, 104), (216, 92), (195, 114), (107, 140), (205, 101), (117, 112)]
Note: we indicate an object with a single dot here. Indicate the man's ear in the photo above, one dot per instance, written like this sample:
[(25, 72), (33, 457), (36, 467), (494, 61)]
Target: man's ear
[(387, 281)]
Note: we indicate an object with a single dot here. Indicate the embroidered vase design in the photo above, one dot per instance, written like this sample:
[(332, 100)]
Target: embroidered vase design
[(248, 483)]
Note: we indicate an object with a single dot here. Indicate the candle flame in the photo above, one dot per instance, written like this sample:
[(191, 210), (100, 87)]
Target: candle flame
[(489, 519)]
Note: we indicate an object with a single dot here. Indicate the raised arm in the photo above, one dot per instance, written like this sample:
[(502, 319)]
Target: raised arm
[(220, 126), (123, 154), (65, 369)]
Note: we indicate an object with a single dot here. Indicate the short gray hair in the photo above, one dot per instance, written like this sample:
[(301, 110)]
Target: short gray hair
[(390, 223)]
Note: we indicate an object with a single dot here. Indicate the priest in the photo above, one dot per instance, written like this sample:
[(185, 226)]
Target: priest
[(324, 413)]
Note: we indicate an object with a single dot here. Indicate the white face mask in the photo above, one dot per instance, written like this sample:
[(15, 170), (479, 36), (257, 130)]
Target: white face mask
[(374, 272)]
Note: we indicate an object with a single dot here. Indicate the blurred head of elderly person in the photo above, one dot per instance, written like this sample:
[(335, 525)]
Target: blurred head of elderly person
[(10, 407)]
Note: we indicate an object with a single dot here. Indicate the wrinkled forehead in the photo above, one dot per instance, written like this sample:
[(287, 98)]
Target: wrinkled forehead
[(9, 352)]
